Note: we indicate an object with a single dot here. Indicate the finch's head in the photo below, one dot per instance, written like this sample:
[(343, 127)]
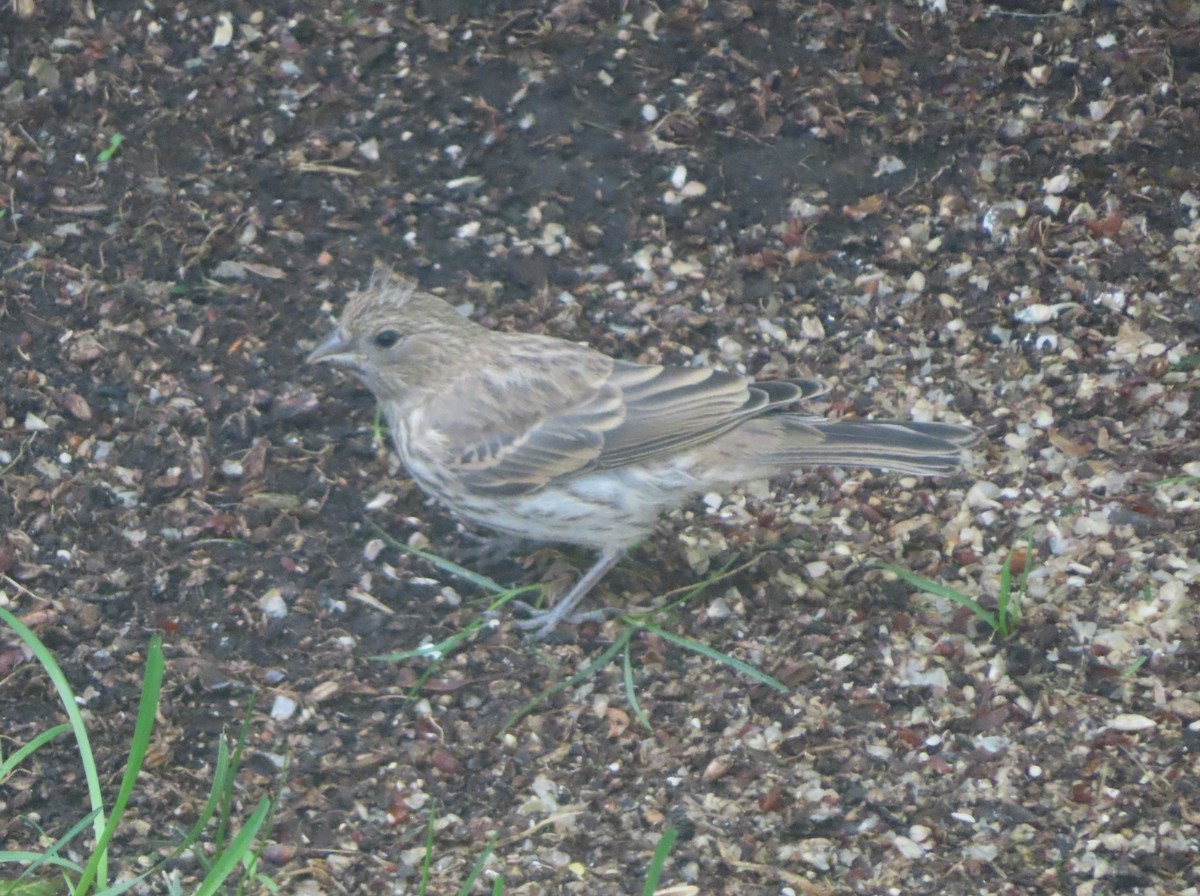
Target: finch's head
[(394, 336)]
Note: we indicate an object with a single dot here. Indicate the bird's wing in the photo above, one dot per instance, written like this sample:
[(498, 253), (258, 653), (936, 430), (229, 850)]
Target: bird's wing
[(555, 409), (673, 409), (514, 424)]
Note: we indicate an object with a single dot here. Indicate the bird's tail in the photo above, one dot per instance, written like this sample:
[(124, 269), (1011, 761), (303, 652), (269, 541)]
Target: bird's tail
[(905, 446), (780, 443)]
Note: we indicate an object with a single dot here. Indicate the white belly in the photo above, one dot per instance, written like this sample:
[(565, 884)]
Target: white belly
[(606, 510)]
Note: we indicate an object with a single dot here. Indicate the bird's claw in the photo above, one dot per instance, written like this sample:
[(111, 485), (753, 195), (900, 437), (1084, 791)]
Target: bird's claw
[(542, 622)]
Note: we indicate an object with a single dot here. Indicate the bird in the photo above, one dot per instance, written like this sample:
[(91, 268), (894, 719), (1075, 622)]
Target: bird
[(548, 439)]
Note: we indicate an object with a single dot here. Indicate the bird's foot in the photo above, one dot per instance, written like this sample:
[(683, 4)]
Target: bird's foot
[(541, 623)]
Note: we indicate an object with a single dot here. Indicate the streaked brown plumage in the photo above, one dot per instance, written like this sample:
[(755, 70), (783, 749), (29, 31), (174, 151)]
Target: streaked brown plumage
[(548, 439)]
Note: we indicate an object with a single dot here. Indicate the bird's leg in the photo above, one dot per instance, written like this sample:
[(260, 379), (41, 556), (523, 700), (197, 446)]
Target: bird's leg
[(545, 621)]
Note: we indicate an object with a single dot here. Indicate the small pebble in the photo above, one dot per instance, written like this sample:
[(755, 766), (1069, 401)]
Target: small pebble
[(283, 707), (273, 604)]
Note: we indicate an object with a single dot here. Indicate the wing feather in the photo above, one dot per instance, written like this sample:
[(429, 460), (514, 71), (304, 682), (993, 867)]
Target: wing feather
[(679, 408), (555, 410), (511, 428)]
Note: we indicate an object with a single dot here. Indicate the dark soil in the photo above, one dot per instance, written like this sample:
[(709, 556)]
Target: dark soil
[(989, 213)]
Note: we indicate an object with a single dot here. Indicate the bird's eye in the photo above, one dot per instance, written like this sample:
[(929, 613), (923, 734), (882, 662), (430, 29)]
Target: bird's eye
[(386, 338)]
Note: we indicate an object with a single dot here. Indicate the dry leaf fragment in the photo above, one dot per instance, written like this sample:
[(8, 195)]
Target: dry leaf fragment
[(264, 270), (1068, 447), (866, 207), (75, 405)]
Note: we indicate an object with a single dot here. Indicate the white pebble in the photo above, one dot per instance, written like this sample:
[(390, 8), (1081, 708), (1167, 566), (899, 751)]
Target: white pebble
[(817, 569), (812, 328), (1131, 722), (718, 609), (888, 165), (273, 604), (283, 707), (983, 494), (1113, 299), (772, 330), (907, 848), (223, 33), (383, 499), (369, 150), (1040, 314), (1057, 184)]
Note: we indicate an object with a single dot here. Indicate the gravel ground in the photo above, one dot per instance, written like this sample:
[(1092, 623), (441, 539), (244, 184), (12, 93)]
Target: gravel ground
[(949, 210)]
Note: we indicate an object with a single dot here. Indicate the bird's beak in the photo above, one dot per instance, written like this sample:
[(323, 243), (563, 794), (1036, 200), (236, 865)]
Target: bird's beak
[(332, 350)]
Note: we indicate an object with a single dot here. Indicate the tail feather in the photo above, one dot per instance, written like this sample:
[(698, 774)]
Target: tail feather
[(923, 449)]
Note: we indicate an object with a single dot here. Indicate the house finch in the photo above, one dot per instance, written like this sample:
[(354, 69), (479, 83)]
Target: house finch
[(552, 440)]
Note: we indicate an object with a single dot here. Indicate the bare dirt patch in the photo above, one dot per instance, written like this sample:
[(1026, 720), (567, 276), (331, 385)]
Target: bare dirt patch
[(990, 213)]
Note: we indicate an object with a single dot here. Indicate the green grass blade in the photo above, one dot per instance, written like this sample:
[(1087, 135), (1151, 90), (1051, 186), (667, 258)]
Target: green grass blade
[(477, 868), (477, 579), (142, 731), (225, 812), (1028, 564), (1132, 669), (713, 654), (30, 888), (222, 782), (1191, 362), (67, 697), (1022, 588), (726, 571), (1008, 601), (445, 647), (224, 773), (427, 859), (631, 692), (12, 856), (254, 859), (449, 566), (9, 765), (654, 873), (586, 672), (1003, 596), (929, 586), (378, 429), (51, 856), (238, 847), (1158, 483)]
